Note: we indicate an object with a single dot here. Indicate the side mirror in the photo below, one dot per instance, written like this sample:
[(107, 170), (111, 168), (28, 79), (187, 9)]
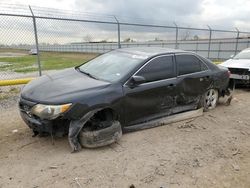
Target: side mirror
[(137, 80)]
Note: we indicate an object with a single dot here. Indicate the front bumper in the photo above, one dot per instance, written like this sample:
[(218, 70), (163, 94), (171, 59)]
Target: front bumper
[(56, 126), (38, 126), (239, 77)]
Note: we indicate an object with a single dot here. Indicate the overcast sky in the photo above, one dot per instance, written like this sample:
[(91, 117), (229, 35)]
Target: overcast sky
[(223, 14), (217, 13)]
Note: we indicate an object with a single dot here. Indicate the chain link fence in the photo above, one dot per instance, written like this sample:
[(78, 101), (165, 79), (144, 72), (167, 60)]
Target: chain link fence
[(35, 40)]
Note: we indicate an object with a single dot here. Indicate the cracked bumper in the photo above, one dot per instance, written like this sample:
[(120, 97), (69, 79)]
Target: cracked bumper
[(35, 124)]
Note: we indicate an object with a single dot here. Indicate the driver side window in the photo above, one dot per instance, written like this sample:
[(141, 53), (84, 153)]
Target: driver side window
[(159, 68)]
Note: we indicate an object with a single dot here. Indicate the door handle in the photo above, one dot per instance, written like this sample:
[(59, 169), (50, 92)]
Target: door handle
[(205, 78), (171, 85)]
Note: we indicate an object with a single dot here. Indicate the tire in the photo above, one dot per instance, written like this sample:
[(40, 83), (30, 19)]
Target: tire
[(210, 99), (103, 137)]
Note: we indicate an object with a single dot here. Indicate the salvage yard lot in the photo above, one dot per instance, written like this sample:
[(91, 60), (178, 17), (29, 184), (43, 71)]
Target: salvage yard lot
[(209, 151)]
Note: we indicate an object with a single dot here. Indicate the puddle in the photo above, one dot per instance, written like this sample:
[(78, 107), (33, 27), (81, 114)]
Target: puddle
[(11, 54), (5, 64)]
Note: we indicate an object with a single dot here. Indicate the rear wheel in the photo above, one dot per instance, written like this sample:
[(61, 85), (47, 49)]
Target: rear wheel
[(210, 99)]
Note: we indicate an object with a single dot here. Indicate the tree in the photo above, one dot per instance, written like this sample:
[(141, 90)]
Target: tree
[(186, 35), (127, 40), (196, 37), (103, 41), (87, 38)]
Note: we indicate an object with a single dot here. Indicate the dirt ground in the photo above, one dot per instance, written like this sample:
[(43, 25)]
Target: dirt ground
[(209, 151)]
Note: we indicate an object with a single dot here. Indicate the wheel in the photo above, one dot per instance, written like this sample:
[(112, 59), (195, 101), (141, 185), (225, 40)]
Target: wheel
[(210, 99), (102, 137)]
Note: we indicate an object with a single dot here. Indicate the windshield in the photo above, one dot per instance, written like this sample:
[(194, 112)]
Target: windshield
[(111, 66), (243, 55)]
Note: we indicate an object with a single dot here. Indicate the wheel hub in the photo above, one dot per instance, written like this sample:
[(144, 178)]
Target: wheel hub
[(211, 98)]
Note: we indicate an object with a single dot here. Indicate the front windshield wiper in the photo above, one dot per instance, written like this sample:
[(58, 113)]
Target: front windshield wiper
[(88, 74)]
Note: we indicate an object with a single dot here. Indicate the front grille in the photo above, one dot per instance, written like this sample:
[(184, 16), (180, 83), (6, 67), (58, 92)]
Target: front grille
[(25, 107), (238, 71)]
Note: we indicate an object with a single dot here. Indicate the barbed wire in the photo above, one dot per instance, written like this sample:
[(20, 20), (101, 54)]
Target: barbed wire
[(52, 13)]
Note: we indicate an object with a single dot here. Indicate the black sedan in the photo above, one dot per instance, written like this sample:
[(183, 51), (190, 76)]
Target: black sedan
[(95, 102)]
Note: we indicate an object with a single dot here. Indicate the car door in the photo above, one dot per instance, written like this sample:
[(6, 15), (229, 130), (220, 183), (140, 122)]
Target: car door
[(154, 97), (193, 80)]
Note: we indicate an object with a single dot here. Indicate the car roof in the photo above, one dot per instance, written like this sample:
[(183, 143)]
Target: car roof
[(149, 51)]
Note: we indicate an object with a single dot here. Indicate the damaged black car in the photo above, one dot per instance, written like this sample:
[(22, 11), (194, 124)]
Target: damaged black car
[(96, 102)]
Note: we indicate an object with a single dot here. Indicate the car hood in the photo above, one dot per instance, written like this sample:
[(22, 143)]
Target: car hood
[(61, 87), (237, 63)]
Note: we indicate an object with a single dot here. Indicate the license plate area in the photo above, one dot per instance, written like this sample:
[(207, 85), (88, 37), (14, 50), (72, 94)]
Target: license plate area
[(239, 77)]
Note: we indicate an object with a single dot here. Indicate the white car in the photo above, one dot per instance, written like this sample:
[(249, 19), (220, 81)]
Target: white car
[(33, 51), (239, 67)]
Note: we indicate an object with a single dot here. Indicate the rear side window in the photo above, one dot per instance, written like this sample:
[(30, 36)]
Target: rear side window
[(158, 69), (189, 64)]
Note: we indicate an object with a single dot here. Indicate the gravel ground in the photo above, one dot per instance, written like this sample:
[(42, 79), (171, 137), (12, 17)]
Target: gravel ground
[(210, 151)]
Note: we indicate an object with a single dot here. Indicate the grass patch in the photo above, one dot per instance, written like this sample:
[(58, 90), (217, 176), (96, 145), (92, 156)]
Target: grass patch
[(9, 92), (4, 96), (217, 62), (49, 61)]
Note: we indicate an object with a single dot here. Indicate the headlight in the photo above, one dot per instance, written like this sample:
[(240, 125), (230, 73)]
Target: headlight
[(49, 111)]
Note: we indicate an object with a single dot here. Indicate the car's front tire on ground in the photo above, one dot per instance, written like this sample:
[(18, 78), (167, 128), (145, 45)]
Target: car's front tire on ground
[(102, 137), (210, 99)]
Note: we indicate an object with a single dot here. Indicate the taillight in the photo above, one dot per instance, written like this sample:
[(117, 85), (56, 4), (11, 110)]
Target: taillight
[(228, 73)]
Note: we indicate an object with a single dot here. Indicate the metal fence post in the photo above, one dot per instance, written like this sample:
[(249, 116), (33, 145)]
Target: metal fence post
[(219, 49), (118, 32), (176, 35), (37, 45), (209, 41), (196, 47), (237, 41)]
